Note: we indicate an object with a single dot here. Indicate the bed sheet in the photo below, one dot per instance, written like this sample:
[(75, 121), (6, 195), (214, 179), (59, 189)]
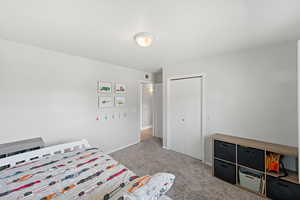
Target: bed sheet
[(71, 175)]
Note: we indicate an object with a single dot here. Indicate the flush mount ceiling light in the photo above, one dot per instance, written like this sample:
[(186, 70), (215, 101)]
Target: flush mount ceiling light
[(143, 39)]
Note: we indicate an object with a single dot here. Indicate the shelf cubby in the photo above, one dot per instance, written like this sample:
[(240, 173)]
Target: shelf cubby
[(234, 153)]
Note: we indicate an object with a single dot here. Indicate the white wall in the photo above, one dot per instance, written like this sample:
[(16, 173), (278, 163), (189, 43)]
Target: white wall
[(147, 107), (52, 95), (251, 94)]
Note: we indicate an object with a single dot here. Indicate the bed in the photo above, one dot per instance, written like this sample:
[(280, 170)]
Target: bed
[(76, 171)]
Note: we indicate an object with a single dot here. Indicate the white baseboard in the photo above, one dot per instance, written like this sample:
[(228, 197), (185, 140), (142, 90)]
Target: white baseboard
[(164, 147), (146, 127), (120, 148)]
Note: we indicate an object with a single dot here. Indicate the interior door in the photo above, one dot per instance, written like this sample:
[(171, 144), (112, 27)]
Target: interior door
[(158, 115), (185, 116)]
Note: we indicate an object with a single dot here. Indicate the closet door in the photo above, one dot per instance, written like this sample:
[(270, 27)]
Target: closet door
[(185, 116)]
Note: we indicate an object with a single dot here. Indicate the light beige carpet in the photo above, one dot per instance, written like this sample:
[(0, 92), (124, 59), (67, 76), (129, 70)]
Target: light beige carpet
[(193, 179)]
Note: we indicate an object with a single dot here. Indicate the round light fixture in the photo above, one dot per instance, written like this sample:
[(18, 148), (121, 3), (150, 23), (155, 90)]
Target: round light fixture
[(143, 39)]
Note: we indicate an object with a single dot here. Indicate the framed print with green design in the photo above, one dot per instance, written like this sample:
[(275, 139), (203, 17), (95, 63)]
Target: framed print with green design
[(104, 87)]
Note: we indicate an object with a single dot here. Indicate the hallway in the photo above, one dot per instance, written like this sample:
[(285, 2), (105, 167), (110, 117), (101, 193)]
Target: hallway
[(146, 134)]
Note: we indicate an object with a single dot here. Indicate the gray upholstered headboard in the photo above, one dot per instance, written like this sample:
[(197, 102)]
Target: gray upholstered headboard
[(22, 146)]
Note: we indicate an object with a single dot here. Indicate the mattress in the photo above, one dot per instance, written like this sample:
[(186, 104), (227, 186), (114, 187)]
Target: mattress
[(79, 174)]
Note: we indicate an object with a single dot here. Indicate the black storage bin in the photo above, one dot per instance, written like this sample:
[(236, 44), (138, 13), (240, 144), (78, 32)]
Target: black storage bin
[(251, 157), (225, 151), (225, 171), (278, 189)]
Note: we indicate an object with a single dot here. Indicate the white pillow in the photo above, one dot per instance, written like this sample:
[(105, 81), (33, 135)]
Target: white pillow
[(156, 187)]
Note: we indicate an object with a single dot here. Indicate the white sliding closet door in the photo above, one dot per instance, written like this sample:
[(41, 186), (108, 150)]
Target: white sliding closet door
[(185, 116)]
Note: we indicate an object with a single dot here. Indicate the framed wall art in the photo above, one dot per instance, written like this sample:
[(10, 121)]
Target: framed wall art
[(105, 102), (120, 88), (104, 87), (120, 101)]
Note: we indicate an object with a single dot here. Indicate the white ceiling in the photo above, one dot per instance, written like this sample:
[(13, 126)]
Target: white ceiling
[(183, 29)]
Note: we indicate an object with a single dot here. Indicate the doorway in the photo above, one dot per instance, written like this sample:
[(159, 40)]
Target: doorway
[(146, 109), (185, 116)]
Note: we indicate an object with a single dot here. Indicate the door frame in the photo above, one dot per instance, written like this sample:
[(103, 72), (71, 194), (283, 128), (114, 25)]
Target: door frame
[(203, 106), (141, 82)]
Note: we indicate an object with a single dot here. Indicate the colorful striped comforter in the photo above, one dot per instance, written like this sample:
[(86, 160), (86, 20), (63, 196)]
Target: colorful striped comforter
[(74, 175)]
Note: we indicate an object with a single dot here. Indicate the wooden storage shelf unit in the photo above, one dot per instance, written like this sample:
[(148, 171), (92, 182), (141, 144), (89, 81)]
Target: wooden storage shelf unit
[(250, 190), (231, 153), (226, 161), (292, 177), (255, 170)]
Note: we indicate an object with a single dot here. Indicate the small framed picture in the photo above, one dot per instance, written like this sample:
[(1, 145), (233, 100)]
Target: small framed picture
[(105, 102), (104, 87), (120, 101), (120, 88)]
